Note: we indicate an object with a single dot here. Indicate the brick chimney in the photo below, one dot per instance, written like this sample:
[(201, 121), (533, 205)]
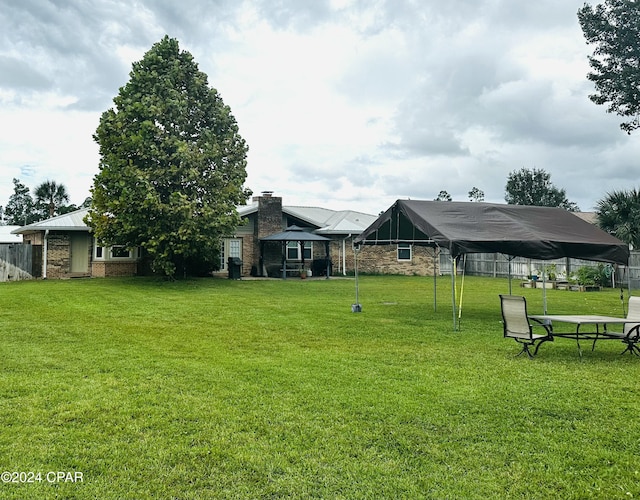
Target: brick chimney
[(268, 222), (269, 216)]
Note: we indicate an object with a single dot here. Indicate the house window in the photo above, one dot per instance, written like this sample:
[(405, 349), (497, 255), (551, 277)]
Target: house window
[(404, 251), (231, 247), (294, 250), (120, 252), (117, 252)]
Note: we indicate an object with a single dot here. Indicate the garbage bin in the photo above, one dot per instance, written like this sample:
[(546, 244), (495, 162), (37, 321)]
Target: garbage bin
[(319, 267), (235, 268)]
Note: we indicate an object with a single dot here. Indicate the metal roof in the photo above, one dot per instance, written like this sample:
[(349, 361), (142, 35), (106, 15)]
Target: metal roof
[(73, 221), (332, 221), (326, 221)]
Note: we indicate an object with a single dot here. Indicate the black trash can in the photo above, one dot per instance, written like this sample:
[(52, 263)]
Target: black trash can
[(235, 268), (320, 266)]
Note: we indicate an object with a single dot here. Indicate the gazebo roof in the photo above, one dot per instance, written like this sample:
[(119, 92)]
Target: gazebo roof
[(294, 233)]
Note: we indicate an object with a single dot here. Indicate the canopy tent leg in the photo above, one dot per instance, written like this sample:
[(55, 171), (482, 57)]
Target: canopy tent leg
[(544, 292), (509, 259), (435, 276), (356, 307), (464, 266), (453, 292), (627, 271)]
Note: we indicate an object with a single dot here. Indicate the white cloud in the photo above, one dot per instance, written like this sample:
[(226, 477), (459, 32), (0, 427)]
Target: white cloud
[(343, 103)]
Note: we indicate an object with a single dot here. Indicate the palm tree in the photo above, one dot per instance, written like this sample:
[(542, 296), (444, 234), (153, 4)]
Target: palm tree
[(619, 214), (52, 195)]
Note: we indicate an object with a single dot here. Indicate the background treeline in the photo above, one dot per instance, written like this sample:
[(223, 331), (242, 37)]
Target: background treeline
[(48, 200)]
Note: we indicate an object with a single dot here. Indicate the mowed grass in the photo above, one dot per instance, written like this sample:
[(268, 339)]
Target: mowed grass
[(213, 388)]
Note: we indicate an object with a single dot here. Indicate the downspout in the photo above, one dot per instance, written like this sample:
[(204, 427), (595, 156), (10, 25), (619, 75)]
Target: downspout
[(45, 250), (344, 254)]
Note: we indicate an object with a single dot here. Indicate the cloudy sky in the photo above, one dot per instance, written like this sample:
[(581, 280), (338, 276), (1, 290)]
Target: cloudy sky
[(345, 104)]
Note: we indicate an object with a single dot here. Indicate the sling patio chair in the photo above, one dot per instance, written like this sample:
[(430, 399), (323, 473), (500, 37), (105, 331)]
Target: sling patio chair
[(517, 325), (631, 332)]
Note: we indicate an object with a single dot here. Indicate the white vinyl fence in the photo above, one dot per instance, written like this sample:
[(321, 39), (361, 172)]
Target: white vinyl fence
[(497, 265)]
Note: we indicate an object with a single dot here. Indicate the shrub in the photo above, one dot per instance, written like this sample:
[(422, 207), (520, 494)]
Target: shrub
[(593, 276)]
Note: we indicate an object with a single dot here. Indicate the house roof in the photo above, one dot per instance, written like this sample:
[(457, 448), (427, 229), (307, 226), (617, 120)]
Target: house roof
[(73, 221), (325, 220), (332, 221), (590, 217)]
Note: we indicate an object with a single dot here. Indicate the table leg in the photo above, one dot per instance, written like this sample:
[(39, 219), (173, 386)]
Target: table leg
[(578, 340), (593, 347)]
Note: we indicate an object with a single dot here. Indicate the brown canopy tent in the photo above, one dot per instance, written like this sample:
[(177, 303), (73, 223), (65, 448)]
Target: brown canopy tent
[(513, 230)]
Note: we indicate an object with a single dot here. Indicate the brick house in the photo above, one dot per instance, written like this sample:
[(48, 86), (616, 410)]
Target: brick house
[(70, 250), (266, 215)]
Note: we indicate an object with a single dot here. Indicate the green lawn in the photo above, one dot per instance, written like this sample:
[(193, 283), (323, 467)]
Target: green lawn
[(251, 389)]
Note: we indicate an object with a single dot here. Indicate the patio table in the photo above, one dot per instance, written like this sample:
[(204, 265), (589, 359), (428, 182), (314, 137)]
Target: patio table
[(580, 320)]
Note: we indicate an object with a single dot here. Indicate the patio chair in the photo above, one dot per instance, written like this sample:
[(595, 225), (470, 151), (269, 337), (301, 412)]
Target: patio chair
[(517, 325), (631, 332)]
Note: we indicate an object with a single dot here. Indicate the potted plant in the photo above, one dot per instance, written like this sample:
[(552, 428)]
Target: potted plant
[(303, 274), (550, 272), (588, 278)]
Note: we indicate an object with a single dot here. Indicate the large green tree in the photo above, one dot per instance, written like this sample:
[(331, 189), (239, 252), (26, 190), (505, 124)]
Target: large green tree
[(534, 187), (52, 196), (618, 213), (172, 164), (614, 28), (20, 209)]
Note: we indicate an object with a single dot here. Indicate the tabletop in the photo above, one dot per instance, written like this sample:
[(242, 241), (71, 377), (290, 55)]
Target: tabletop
[(579, 319)]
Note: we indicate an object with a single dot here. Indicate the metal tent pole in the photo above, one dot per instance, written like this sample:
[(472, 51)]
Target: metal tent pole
[(453, 293), (435, 287), (544, 292), (356, 308)]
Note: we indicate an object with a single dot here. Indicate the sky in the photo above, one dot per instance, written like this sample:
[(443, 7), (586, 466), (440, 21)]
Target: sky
[(344, 104)]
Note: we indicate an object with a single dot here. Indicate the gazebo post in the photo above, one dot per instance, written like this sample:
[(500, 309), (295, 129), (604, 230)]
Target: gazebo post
[(326, 249), (284, 260), (261, 260)]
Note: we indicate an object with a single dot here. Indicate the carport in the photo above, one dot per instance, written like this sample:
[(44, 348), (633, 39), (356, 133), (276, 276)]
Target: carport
[(543, 233)]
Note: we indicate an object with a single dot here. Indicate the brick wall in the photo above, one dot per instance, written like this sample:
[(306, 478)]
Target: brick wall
[(248, 256), (102, 269), (383, 259), (58, 255)]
